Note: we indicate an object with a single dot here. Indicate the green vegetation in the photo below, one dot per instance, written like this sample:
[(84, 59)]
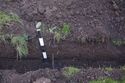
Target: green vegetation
[(7, 18), (20, 43), (122, 67), (122, 81), (95, 39), (108, 68), (107, 80), (60, 33), (65, 30), (5, 38), (70, 71), (118, 42)]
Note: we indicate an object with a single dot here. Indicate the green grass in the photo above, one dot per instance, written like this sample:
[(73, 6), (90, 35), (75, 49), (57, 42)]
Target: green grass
[(6, 18), (5, 38), (107, 80), (118, 42), (65, 30), (122, 81), (122, 67), (20, 43), (70, 71), (108, 68), (60, 33)]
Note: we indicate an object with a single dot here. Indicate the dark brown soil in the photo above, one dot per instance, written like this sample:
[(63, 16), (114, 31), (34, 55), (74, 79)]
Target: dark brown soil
[(92, 21), (34, 64), (57, 76), (94, 25)]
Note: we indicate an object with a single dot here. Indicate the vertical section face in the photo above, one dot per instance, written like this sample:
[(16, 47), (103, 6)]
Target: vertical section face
[(44, 55), (41, 41)]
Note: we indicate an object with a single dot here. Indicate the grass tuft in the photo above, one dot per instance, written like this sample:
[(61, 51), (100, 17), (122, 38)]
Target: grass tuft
[(6, 18), (20, 43), (119, 42), (108, 68), (60, 33), (70, 71), (107, 80)]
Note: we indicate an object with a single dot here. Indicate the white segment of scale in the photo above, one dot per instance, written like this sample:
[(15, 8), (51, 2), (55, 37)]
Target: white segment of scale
[(38, 30), (41, 41), (38, 25), (44, 55)]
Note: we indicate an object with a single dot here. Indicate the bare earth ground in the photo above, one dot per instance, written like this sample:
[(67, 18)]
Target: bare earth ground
[(56, 76), (90, 20)]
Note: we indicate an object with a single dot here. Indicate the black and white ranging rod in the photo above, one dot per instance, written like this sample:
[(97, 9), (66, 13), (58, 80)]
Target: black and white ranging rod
[(41, 41)]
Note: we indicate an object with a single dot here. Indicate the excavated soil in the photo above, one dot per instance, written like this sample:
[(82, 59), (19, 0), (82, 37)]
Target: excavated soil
[(57, 76), (94, 25)]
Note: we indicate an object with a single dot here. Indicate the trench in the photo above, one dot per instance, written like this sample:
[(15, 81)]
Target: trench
[(31, 64)]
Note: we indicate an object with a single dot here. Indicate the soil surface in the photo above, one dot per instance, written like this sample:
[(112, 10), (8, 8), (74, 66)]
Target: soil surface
[(57, 76), (94, 24)]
